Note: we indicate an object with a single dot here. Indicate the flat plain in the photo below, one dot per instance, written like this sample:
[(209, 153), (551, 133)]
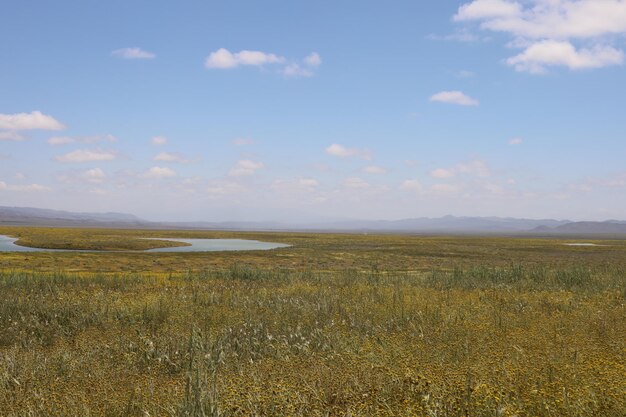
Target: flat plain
[(336, 325)]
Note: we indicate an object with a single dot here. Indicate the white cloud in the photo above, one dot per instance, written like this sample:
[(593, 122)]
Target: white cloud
[(313, 60), (482, 9), (540, 55), (306, 69), (444, 188), (373, 169), (308, 182), (547, 30), (159, 173), (475, 168), (516, 141), (443, 173), (12, 136), (454, 97), (222, 188), (243, 141), (245, 167), (23, 188), (343, 152), (133, 53), (356, 183), (411, 185), (29, 121), (295, 70), (95, 175), (548, 19), (290, 186), (223, 59), (171, 157), (86, 155), (159, 140), (65, 140)]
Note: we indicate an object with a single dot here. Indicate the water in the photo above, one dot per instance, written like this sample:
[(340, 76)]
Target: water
[(7, 244), (215, 245), (582, 244)]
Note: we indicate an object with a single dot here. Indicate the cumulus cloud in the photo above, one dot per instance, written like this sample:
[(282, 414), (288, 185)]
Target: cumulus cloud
[(484, 9), (444, 188), (516, 141), (454, 97), (355, 183), (443, 173), (304, 69), (373, 169), (540, 55), (313, 60), (224, 59), (159, 173), (23, 188), (548, 19), (343, 152), (29, 121), (547, 30), (290, 186), (245, 167), (86, 155), (159, 140), (224, 188), (65, 140), (171, 157), (411, 185), (133, 53), (476, 167), (12, 136), (93, 176), (296, 70)]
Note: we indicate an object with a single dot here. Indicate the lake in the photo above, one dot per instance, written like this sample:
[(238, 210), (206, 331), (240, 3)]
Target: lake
[(7, 244), (216, 245)]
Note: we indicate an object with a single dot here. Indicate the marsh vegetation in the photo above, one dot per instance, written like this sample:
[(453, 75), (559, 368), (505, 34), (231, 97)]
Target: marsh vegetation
[(396, 326)]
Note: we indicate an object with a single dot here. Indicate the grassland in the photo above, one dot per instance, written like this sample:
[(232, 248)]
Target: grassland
[(337, 325)]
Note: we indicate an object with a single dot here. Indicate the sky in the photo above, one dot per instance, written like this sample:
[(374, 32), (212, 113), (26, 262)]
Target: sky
[(297, 111)]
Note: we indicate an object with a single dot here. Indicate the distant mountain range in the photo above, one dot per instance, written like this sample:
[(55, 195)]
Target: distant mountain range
[(440, 225), (45, 217)]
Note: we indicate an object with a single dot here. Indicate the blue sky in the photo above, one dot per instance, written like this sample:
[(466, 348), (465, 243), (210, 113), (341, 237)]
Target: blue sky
[(288, 110)]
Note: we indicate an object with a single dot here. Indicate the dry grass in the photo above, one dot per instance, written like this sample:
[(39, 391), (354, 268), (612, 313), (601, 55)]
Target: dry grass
[(472, 336)]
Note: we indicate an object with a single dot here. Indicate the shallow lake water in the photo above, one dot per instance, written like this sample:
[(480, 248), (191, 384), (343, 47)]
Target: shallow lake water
[(215, 245), (582, 244), (7, 244)]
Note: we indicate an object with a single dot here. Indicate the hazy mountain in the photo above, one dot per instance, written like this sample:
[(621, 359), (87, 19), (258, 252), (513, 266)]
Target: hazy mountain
[(609, 227), (446, 224), (37, 216)]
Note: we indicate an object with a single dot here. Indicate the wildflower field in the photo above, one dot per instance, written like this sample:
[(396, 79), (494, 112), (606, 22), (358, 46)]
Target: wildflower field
[(336, 325)]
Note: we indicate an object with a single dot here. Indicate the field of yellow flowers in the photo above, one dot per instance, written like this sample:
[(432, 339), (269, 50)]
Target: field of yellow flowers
[(397, 326)]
